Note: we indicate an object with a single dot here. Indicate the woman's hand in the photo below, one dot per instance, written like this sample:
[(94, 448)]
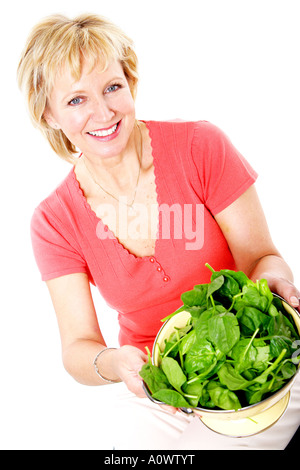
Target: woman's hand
[(127, 363)]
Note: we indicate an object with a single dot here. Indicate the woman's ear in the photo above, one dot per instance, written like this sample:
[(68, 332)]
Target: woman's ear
[(50, 120)]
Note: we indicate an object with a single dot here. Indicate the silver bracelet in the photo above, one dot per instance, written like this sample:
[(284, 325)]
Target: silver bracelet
[(97, 370)]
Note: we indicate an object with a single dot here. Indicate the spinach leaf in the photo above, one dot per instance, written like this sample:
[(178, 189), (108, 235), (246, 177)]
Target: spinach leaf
[(288, 370), (244, 354), (195, 311), (253, 298), (229, 288), (262, 378), (273, 311), (224, 331), (258, 392), (188, 341), (231, 378), (263, 356), (200, 358), (171, 397), (205, 398), (196, 296), (238, 276), (193, 392), (264, 290), (173, 372), (251, 319), (172, 346), (222, 397), (201, 325), (154, 377), (278, 343), (280, 326), (215, 285)]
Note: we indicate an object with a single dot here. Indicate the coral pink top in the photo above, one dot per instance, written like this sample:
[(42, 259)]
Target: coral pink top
[(197, 169)]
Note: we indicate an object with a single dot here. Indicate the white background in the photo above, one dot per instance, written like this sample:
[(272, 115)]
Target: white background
[(232, 62)]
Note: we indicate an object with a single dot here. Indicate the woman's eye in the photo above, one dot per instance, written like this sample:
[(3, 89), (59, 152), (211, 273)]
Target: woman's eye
[(75, 101), (112, 88)]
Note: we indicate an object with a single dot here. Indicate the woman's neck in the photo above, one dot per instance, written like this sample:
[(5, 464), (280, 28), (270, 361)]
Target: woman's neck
[(117, 174)]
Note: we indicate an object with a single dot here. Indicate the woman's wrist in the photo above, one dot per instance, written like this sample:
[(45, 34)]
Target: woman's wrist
[(103, 368)]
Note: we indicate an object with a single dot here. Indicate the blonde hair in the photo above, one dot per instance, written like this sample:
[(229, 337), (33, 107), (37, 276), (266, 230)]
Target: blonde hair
[(58, 41)]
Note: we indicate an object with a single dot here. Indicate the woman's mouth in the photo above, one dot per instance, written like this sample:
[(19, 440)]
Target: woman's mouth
[(106, 133)]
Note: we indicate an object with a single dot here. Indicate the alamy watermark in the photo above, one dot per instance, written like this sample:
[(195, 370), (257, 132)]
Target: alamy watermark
[(142, 221), (296, 354)]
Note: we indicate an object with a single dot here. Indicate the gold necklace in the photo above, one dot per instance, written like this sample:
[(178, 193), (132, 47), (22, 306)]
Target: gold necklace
[(120, 201)]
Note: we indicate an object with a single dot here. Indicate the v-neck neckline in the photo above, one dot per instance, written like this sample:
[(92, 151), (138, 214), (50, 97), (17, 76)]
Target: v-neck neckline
[(110, 234)]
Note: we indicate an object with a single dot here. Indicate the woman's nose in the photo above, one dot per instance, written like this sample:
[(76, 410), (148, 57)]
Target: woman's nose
[(101, 111)]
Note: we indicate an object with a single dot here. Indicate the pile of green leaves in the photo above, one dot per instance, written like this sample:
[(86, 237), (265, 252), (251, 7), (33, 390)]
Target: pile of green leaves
[(236, 349)]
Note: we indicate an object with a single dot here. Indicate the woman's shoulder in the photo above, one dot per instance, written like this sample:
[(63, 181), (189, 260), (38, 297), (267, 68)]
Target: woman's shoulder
[(179, 122), (186, 135), (194, 128)]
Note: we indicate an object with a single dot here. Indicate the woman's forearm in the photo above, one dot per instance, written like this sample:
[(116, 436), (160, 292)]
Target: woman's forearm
[(78, 360), (116, 364)]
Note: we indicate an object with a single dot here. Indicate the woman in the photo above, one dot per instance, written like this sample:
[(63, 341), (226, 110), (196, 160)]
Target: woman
[(145, 206)]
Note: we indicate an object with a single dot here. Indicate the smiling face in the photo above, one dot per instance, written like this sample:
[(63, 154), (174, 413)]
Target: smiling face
[(96, 113)]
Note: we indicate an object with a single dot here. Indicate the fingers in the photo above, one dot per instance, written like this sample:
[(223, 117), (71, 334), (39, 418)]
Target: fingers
[(294, 301), (135, 385), (288, 291), (169, 408), (129, 362)]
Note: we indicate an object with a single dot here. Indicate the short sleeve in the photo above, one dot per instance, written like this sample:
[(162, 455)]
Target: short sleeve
[(55, 249), (224, 174)]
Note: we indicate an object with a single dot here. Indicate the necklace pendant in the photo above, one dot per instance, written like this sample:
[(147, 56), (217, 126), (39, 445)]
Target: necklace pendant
[(131, 211)]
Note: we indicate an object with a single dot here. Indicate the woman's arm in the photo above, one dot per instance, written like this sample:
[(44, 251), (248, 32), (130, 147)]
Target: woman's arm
[(82, 340), (244, 226)]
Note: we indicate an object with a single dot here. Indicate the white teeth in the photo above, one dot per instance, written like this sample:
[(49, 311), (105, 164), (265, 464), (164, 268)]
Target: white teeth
[(104, 133)]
